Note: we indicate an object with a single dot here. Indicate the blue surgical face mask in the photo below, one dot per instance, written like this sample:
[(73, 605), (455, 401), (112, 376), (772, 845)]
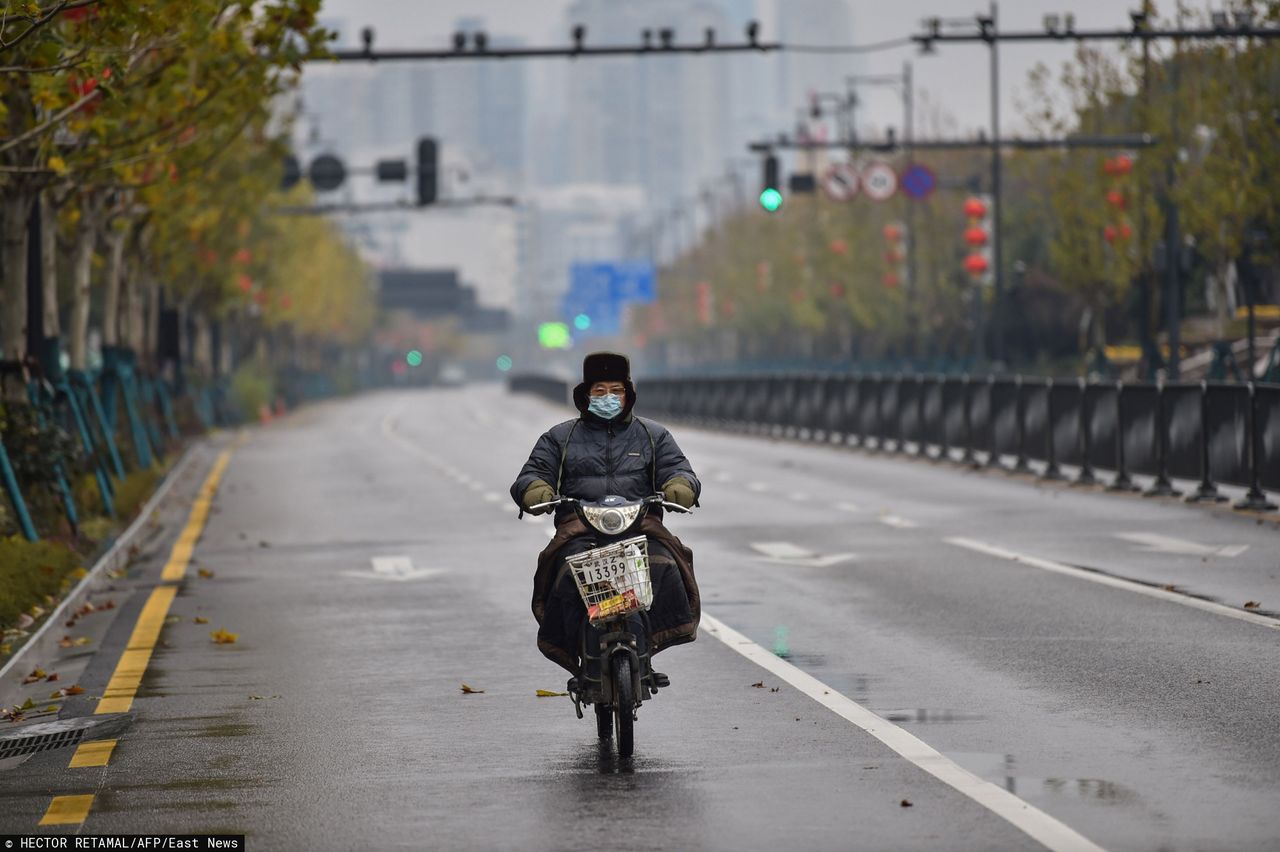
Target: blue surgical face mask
[(605, 407)]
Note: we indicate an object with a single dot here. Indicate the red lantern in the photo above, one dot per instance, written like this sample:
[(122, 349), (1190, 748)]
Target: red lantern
[(975, 208), (243, 256), (837, 290), (1126, 231), (1110, 233), (286, 301), (1123, 165), (892, 233), (975, 236), (245, 283), (840, 247), (975, 264), (1109, 166), (1116, 199), (891, 280)]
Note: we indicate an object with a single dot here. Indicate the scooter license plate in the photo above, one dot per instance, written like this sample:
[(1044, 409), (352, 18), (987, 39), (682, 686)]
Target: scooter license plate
[(603, 569)]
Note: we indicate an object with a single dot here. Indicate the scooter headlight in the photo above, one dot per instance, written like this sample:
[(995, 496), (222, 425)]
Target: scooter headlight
[(611, 521)]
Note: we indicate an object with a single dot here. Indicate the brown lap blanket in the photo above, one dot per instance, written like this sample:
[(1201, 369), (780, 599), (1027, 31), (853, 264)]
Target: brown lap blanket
[(676, 609)]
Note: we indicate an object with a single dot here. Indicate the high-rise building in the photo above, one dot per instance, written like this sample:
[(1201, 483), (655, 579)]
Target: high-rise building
[(660, 123), (480, 107)]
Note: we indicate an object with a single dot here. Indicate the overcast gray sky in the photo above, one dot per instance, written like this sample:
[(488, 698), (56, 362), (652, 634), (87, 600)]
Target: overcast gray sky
[(955, 77)]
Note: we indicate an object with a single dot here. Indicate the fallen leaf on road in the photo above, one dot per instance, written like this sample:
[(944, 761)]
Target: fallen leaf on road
[(72, 690), (1170, 588), (546, 693), (1251, 604), (111, 604), (205, 573), (52, 708), (172, 619), (36, 674), (906, 803), (200, 619), (27, 705), (65, 642), (51, 678), (25, 621), (758, 684), (255, 697), (82, 640), (466, 690), (222, 637), (774, 688), (264, 544), (36, 611)]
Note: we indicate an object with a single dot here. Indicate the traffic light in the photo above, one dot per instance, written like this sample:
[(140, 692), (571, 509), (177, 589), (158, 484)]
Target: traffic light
[(770, 195), (428, 169)]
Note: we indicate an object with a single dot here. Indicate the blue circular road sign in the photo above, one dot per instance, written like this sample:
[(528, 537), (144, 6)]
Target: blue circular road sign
[(919, 181)]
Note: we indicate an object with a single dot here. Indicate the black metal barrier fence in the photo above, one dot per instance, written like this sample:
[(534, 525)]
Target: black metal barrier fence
[(1211, 432)]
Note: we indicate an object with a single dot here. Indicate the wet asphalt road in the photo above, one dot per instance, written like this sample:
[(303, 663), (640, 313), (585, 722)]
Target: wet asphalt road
[(336, 721)]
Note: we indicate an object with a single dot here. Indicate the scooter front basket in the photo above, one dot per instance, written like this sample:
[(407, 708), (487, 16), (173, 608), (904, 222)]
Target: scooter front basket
[(613, 580)]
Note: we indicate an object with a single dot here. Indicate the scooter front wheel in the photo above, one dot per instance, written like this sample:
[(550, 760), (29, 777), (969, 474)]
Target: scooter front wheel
[(623, 704)]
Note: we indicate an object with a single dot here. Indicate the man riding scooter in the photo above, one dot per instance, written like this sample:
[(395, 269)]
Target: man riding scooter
[(608, 451)]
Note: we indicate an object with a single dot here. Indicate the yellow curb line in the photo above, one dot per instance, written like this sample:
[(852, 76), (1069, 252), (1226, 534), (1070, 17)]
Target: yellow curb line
[(93, 753)]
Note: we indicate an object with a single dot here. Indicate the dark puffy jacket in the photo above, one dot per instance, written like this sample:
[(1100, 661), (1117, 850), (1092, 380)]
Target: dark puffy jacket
[(605, 457)]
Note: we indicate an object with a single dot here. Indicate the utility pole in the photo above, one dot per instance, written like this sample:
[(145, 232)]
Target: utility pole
[(912, 285), (1172, 233), (997, 267)]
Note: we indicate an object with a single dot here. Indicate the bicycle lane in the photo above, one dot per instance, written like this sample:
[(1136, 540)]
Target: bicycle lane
[(102, 657)]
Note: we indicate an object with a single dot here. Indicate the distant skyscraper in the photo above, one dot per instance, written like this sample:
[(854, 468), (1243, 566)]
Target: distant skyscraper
[(480, 107), (658, 122)]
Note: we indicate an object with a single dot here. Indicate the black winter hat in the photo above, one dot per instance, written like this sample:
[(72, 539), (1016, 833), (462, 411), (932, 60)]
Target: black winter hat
[(605, 367)]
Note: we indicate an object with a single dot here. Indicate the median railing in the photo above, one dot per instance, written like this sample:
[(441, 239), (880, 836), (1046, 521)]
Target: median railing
[(1213, 433)]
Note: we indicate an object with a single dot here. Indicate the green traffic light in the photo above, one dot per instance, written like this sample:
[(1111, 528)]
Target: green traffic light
[(771, 199), (413, 358), (582, 322)]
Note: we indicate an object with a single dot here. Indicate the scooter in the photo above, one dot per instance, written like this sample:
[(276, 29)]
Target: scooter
[(614, 581)]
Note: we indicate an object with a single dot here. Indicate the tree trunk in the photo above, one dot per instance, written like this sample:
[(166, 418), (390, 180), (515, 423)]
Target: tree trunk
[(203, 349), (15, 209), (81, 292), (51, 320), (111, 301)]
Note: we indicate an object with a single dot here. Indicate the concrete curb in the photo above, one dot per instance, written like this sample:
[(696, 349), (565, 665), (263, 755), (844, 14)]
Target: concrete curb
[(44, 642)]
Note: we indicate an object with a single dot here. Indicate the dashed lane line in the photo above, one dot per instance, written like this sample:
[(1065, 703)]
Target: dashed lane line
[(897, 522), (67, 810), (1043, 828), (92, 753), (1115, 582)]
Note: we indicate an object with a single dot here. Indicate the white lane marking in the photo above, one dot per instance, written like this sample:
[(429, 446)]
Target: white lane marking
[(1116, 582), (780, 550), (492, 496), (848, 507), (786, 553), (897, 522), (798, 496), (394, 568), (722, 476), (757, 486), (1166, 544), (1023, 816)]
